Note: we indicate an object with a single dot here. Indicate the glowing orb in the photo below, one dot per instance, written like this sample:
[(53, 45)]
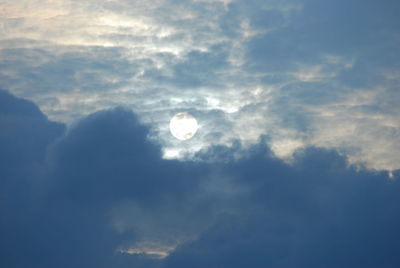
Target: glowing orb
[(183, 126)]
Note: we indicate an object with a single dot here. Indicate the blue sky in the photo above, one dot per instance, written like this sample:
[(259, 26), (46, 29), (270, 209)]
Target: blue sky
[(295, 163)]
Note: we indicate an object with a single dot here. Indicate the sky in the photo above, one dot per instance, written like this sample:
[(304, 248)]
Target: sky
[(296, 162)]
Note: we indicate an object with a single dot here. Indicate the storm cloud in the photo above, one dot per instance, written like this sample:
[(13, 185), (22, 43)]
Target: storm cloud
[(100, 195)]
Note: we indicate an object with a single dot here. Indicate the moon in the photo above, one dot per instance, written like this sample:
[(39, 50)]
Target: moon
[(183, 126)]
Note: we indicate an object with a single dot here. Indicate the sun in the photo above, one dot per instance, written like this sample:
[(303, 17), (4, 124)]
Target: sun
[(183, 126)]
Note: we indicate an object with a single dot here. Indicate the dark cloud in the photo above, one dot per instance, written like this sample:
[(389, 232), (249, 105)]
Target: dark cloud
[(24, 137), (61, 199), (59, 213), (106, 157), (25, 134), (317, 213)]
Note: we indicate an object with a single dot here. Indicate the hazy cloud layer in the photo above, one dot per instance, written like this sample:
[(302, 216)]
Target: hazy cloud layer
[(303, 73)]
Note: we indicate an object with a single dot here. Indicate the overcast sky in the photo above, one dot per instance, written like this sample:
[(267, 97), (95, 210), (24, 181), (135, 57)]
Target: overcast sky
[(295, 163)]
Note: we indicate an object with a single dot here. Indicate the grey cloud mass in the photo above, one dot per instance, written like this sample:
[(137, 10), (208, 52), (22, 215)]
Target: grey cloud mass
[(100, 195)]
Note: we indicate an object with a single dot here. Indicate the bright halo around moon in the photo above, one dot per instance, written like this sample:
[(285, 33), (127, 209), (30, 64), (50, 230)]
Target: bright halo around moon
[(183, 126)]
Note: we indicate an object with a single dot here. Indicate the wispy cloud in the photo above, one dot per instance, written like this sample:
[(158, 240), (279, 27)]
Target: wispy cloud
[(301, 73)]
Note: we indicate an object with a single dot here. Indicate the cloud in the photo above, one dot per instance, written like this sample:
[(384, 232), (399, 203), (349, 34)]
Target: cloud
[(100, 195), (83, 198), (299, 69), (316, 213), (24, 139), (23, 142), (297, 104)]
